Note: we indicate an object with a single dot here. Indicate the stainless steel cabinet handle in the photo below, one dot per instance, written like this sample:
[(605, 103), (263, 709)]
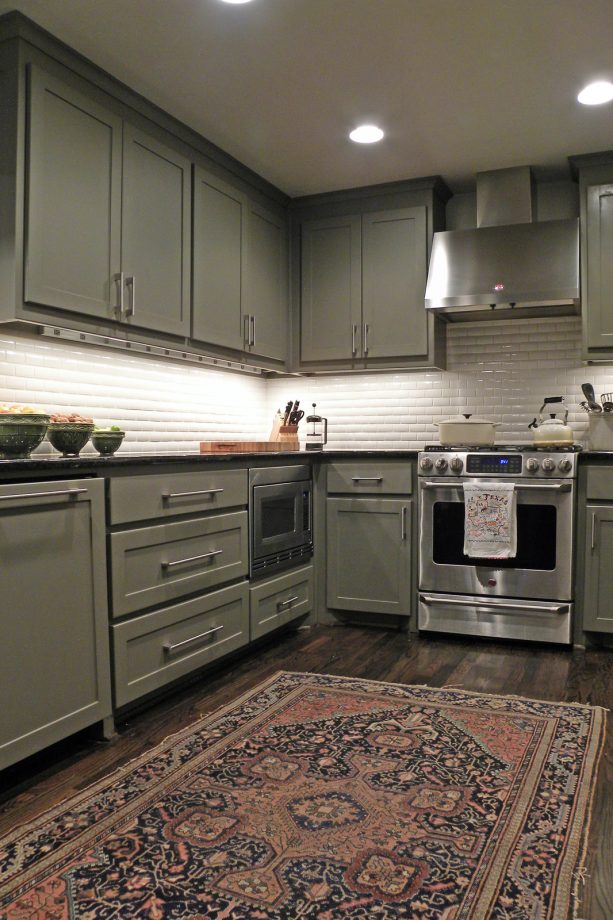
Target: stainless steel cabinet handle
[(367, 478), (282, 604), (494, 605), (593, 530), (68, 492), (252, 339), (131, 284), (366, 331), (168, 495), (354, 329), (118, 279), (246, 330), (532, 486), (169, 647), (403, 523), (170, 565)]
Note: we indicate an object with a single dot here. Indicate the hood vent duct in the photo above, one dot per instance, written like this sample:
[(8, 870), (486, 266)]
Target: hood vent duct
[(509, 261)]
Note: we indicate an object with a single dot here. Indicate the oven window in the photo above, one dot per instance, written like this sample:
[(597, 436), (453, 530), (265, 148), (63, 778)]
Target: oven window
[(278, 516), (536, 537)]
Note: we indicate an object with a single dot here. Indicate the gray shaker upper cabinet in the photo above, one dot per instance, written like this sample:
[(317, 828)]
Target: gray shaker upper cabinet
[(73, 212), (108, 214), (394, 267), (331, 293), (220, 231), (156, 234), (599, 281), (361, 257), (240, 269), (266, 282)]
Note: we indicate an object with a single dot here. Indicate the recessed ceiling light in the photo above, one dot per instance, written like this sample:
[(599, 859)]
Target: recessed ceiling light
[(366, 134), (236, 1), (596, 93)]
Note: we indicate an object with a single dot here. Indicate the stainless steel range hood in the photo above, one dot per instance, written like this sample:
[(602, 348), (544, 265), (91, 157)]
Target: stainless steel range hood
[(509, 261)]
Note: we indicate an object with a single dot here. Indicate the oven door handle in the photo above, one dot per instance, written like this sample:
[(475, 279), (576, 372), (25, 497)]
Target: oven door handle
[(496, 605), (528, 486)]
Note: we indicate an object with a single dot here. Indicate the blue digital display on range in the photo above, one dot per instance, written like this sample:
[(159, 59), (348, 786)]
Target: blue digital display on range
[(505, 464)]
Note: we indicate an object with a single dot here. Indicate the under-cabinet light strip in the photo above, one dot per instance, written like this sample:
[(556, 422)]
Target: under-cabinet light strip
[(90, 338)]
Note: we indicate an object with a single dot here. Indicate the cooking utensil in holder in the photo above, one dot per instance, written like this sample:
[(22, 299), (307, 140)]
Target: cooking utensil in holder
[(288, 436), (607, 401)]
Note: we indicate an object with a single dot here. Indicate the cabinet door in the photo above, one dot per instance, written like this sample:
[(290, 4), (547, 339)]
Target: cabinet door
[(598, 588), (394, 265), (331, 300), (54, 655), (599, 306), (220, 242), (369, 555), (74, 200), (265, 283), (156, 236)]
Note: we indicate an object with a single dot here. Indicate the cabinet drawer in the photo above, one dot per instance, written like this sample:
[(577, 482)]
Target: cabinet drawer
[(280, 600), (600, 483), (153, 649), (154, 565), (140, 498), (379, 478)]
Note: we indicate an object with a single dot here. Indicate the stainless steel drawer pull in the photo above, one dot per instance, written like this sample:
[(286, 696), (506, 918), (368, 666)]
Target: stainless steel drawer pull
[(287, 603), (131, 284), (168, 495), (367, 478), (68, 492), (211, 555), (169, 648), (494, 605)]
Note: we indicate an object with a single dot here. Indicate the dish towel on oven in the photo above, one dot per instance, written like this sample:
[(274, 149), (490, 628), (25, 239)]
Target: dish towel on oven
[(490, 520)]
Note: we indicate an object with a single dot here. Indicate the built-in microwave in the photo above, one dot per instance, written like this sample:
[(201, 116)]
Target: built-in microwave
[(280, 518)]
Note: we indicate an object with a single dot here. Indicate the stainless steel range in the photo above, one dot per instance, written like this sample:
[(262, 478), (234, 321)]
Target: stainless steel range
[(529, 596)]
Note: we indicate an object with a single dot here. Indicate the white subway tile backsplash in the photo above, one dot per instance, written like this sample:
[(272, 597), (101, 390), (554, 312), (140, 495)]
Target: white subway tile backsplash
[(501, 370)]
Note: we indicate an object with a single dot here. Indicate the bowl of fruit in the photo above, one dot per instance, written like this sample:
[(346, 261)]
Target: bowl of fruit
[(22, 428), (107, 440), (69, 432)]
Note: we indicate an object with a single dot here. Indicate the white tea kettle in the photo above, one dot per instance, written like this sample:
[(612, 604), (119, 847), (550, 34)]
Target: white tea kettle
[(552, 431)]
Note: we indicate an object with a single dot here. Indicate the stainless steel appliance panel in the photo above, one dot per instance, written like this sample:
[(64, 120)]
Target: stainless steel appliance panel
[(500, 618), (543, 566)]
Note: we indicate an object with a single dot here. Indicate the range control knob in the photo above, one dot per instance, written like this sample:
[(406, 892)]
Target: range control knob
[(532, 464), (441, 464), (564, 465), (548, 464), (425, 464), (456, 464)]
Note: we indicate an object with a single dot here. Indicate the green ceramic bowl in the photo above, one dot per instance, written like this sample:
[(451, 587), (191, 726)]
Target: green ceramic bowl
[(107, 442), (69, 437), (20, 434)]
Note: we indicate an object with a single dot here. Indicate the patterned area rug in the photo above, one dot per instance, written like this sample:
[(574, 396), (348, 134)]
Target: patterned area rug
[(328, 797)]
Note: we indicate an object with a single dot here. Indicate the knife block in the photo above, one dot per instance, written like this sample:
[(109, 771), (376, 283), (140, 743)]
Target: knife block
[(288, 437)]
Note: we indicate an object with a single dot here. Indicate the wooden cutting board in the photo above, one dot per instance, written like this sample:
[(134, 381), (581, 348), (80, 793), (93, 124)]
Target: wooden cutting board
[(238, 447)]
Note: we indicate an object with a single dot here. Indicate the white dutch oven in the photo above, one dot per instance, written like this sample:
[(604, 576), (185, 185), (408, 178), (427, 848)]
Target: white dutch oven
[(467, 431)]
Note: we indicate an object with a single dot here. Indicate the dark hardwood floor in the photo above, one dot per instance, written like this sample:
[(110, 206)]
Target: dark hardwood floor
[(540, 672)]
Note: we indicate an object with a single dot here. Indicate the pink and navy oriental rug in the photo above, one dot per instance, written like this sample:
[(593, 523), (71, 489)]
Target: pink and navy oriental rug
[(326, 797)]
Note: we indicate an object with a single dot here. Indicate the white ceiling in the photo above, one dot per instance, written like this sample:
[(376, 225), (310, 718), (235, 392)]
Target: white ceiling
[(458, 85)]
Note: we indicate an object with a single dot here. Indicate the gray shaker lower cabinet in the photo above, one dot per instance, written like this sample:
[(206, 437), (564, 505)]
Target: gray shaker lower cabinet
[(369, 555), (598, 581), (54, 656), (156, 648), (278, 601)]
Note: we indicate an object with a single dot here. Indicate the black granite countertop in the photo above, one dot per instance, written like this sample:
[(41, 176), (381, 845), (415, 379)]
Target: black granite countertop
[(89, 463)]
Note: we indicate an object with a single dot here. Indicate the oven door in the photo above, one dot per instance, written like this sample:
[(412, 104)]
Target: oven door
[(280, 518), (542, 568)]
